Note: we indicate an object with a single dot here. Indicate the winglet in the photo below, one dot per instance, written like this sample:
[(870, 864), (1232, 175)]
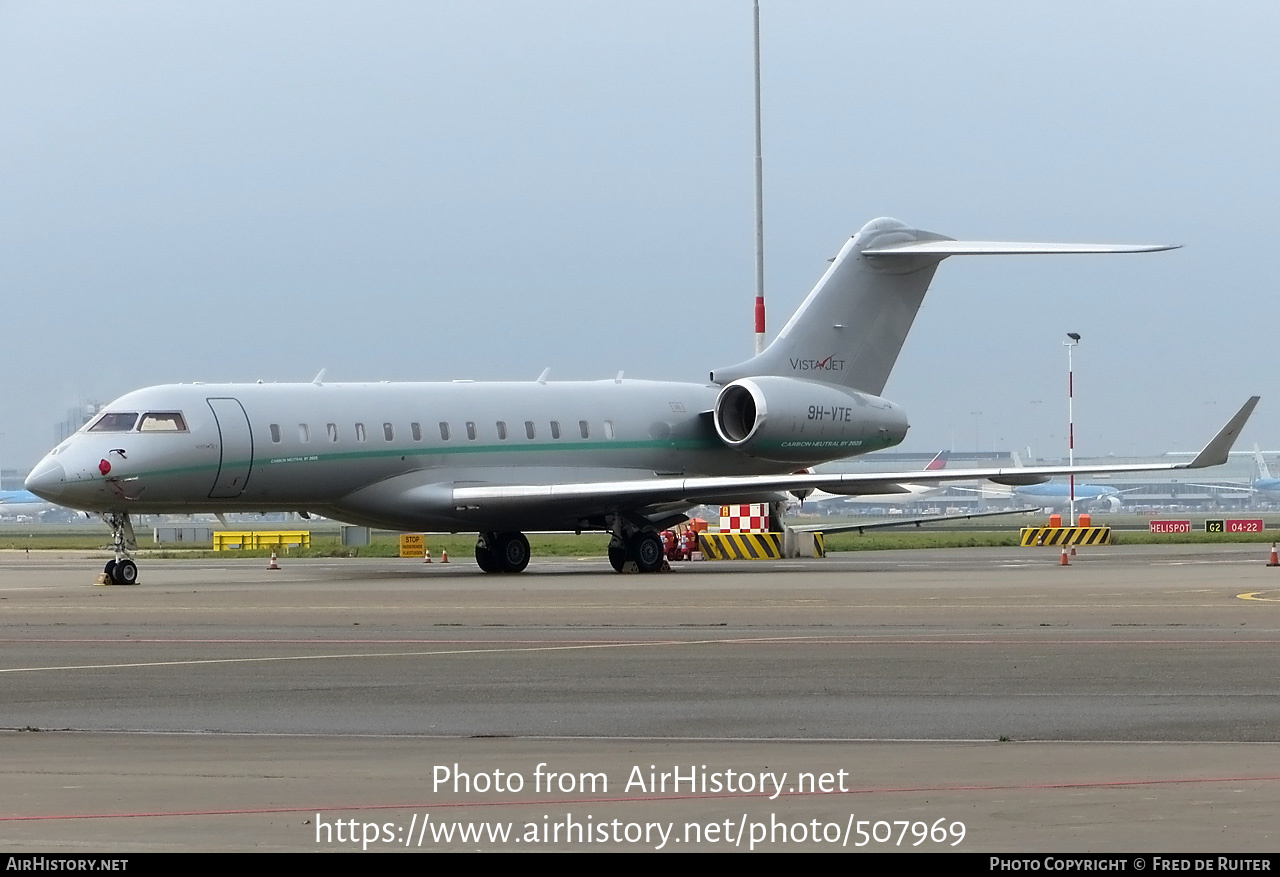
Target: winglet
[(1215, 453)]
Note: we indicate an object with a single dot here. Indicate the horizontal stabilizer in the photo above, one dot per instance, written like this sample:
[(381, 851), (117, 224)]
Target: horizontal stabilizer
[(1006, 248)]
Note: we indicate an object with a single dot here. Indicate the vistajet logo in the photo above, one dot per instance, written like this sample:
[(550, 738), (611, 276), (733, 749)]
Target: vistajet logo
[(830, 364)]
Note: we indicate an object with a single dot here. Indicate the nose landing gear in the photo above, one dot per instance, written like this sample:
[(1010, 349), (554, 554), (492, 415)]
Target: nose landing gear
[(122, 570)]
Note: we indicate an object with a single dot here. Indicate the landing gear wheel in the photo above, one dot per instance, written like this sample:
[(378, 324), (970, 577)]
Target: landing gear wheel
[(646, 551), (512, 552), (485, 559), (110, 570), (125, 573), (617, 557)]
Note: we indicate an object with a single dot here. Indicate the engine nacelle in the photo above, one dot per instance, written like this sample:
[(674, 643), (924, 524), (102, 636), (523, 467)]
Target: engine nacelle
[(1019, 480), (792, 420)]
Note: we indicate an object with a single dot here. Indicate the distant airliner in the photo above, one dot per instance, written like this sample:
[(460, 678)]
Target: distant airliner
[(629, 458), (22, 504), (1265, 485), (904, 493), (1058, 493)]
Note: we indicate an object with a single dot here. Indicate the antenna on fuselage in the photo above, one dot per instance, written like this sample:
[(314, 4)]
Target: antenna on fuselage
[(319, 379)]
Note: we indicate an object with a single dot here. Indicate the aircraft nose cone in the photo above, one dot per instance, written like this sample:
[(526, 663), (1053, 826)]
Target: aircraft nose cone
[(47, 480)]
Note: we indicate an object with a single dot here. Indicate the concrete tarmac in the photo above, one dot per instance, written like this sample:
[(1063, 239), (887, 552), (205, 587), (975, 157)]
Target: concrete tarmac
[(984, 697)]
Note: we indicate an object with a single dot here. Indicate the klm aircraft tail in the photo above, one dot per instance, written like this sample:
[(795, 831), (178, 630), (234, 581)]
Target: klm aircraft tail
[(851, 327), (1263, 471)]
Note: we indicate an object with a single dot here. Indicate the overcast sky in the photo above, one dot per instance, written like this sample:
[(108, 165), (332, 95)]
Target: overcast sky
[(429, 190)]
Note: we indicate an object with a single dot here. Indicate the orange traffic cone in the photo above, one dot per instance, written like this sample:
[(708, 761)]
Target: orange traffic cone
[(426, 558), (1275, 558), (444, 555), (1066, 561), (273, 564)]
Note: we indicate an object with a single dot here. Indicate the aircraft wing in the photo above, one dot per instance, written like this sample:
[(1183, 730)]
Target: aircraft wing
[(902, 522), (658, 492)]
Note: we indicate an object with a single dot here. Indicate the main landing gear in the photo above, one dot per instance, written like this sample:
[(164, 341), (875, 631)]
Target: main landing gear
[(502, 552), (635, 541), (509, 552), (643, 548), (122, 570)]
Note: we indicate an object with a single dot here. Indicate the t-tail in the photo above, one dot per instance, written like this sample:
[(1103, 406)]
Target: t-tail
[(853, 324)]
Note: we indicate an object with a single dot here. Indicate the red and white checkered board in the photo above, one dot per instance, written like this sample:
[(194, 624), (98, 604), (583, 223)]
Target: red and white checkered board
[(753, 518)]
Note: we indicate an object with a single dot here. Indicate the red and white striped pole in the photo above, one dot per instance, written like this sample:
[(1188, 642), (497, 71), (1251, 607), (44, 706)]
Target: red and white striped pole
[(759, 345), (1073, 340)]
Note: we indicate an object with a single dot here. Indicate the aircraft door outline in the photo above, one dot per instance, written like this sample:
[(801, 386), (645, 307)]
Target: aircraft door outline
[(235, 447)]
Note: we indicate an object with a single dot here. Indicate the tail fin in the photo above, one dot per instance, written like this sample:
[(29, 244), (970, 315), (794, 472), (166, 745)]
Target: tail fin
[(938, 462), (853, 324), (1263, 471)]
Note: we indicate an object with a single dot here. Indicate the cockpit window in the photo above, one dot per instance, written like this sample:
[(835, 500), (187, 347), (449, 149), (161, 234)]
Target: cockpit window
[(115, 421), (162, 421)]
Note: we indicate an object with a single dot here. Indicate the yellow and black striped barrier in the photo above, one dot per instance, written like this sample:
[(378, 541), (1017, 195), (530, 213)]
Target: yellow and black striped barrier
[(1032, 536), (741, 546), (805, 543)]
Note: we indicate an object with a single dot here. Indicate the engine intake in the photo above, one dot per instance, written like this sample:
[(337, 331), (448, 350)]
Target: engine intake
[(793, 420)]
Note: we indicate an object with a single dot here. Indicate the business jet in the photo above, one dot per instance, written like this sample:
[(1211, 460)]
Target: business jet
[(627, 457)]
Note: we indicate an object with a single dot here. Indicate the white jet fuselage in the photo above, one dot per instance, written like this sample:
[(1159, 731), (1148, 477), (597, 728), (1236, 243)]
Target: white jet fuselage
[(391, 454)]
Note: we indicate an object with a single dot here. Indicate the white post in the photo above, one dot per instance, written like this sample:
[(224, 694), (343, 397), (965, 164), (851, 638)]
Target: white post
[(1073, 340)]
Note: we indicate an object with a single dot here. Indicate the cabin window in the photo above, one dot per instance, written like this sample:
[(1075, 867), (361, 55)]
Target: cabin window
[(162, 421), (304, 433), (387, 432), (360, 436), (415, 429), (608, 429), (115, 421), (584, 428), (502, 430), (275, 432), (333, 431), (555, 429), (444, 431), (471, 430), (529, 430)]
